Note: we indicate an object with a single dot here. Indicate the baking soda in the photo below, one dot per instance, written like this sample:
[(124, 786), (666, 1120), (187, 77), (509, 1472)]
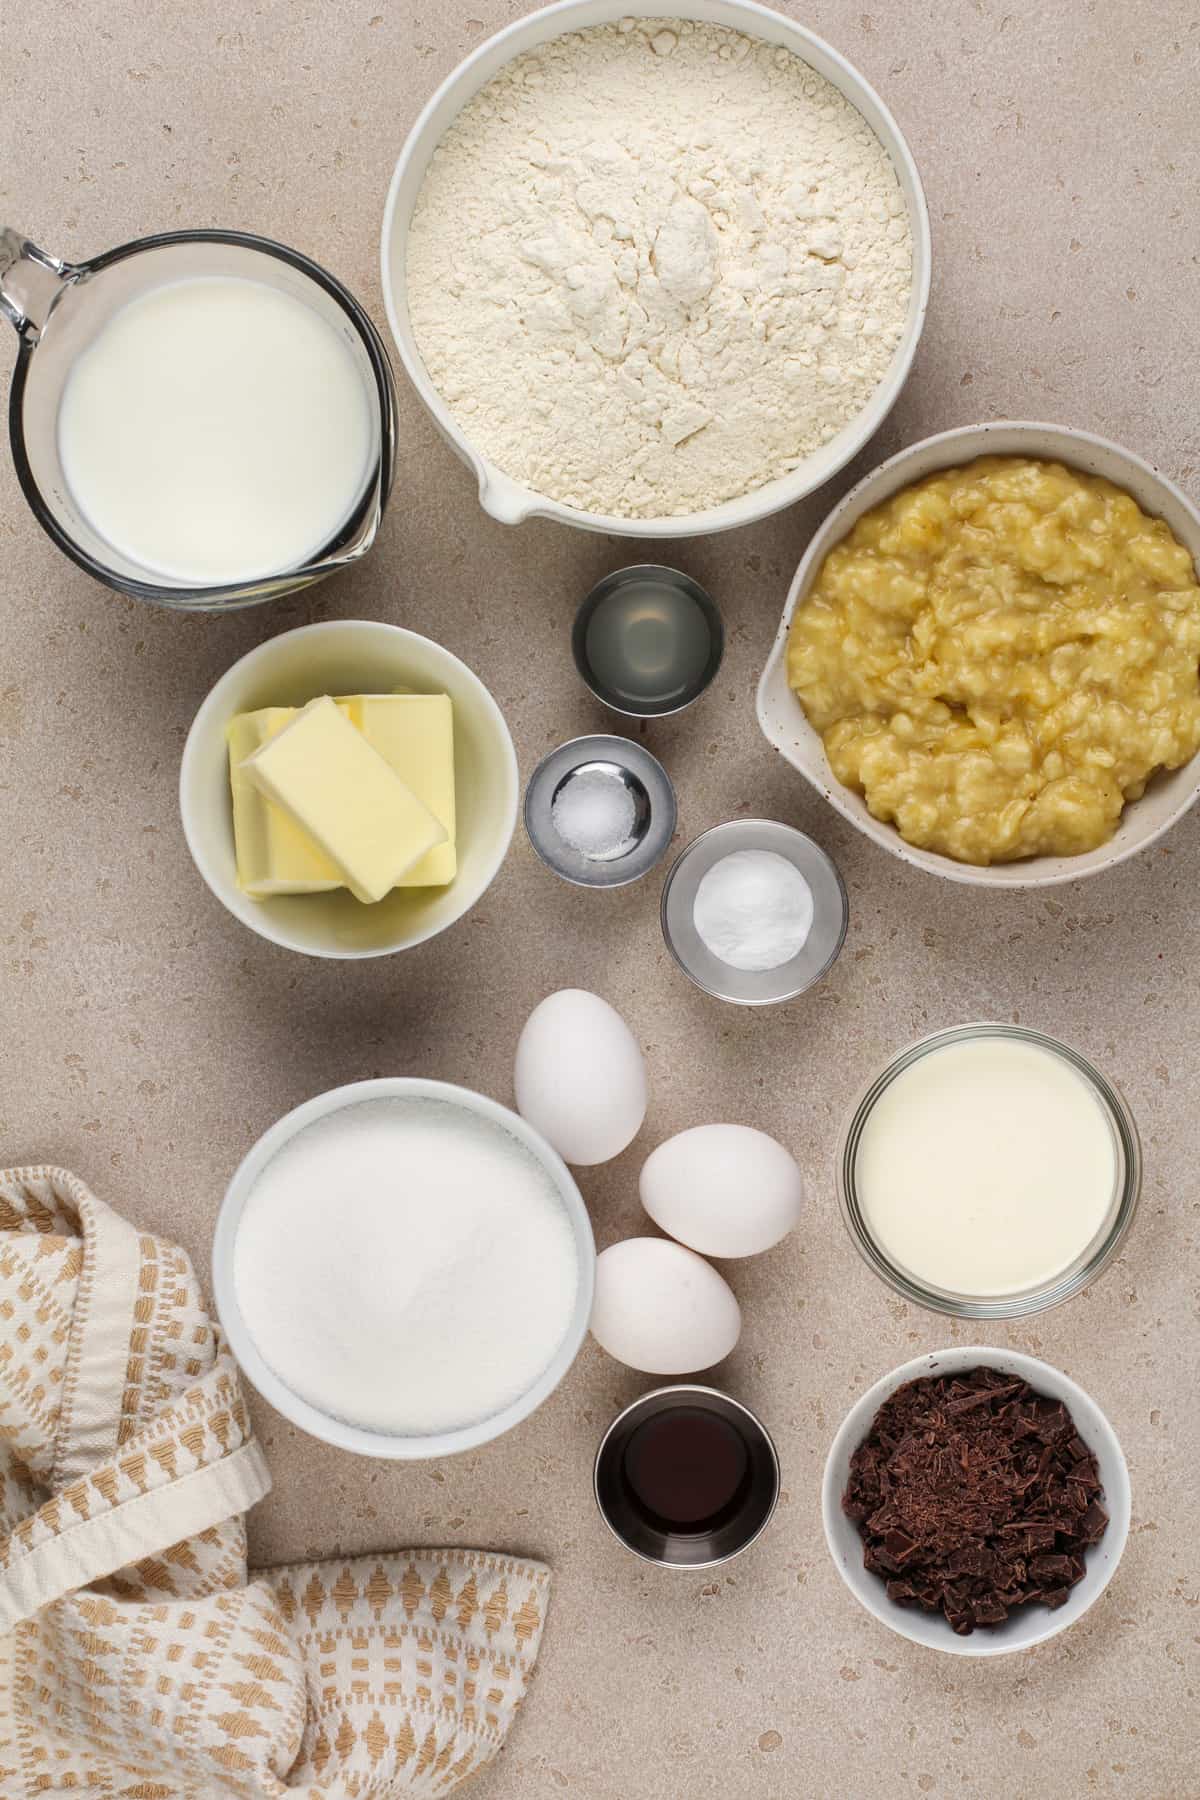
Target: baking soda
[(406, 1266), (753, 910)]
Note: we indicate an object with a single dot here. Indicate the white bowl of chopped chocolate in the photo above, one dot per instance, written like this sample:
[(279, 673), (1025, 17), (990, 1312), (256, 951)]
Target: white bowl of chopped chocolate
[(976, 1501)]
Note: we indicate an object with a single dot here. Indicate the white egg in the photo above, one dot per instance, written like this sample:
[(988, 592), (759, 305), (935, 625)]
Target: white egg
[(580, 1077), (662, 1309), (726, 1190)]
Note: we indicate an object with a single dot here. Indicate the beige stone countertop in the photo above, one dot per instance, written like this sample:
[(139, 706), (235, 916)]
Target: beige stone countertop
[(146, 1038)]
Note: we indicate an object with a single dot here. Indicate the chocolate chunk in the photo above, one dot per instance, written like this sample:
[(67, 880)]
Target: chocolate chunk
[(1093, 1524), (1053, 1420), (972, 1559), (974, 1495), (1050, 1568), (899, 1545), (968, 1402)]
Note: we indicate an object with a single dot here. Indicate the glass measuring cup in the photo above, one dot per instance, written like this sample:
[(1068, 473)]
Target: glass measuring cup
[(57, 309)]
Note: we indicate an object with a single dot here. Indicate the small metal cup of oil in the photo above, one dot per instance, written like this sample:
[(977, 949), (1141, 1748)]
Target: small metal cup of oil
[(647, 641)]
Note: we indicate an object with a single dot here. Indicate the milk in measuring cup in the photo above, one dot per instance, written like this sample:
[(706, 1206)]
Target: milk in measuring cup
[(216, 430)]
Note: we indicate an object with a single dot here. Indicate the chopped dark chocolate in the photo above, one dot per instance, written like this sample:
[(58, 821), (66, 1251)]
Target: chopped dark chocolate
[(1093, 1524), (1050, 1568), (974, 1494), (899, 1545)]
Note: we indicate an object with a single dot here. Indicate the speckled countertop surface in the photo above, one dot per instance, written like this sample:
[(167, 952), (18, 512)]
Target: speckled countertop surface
[(147, 1038)]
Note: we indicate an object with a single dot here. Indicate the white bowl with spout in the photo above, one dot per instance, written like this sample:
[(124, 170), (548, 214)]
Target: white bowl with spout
[(499, 494), (783, 720)]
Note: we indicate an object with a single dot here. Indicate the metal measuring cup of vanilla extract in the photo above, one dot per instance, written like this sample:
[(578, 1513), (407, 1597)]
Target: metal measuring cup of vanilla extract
[(686, 1477)]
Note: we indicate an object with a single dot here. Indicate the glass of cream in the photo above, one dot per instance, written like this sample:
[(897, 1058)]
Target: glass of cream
[(204, 419), (989, 1172)]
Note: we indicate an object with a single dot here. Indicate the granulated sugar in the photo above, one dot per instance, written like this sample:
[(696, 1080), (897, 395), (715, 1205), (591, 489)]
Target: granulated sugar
[(406, 1266)]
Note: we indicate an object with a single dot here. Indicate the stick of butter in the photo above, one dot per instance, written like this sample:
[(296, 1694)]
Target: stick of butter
[(325, 775), (273, 855), (414, 734)]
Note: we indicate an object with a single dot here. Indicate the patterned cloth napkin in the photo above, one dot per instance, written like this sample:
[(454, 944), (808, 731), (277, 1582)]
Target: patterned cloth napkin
[(138, 1657)]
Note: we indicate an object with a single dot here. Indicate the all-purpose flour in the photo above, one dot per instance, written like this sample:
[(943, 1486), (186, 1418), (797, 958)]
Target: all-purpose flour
[(406, 1266), (655, 265)]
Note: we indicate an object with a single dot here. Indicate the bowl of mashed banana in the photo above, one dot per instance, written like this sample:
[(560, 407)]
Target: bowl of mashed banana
[(989, 660)]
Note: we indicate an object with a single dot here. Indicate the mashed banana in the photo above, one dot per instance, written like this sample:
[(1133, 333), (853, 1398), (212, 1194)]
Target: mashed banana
[(1000, 657)]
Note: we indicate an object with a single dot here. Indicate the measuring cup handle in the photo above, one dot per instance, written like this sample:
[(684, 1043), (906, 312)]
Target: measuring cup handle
[(29, 281)]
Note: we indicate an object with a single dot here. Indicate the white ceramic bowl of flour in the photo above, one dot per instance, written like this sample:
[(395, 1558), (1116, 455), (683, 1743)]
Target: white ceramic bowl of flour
[(502, 496), (460, 1318)]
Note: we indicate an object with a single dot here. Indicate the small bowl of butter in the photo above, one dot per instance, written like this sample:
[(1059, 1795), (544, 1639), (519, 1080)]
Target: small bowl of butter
[(348, 789)]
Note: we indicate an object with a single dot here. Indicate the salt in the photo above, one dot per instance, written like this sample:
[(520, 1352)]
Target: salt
[(595, 813), (406, 1266), (753, 910)]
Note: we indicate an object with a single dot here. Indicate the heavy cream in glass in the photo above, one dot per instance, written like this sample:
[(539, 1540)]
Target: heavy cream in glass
[(216, 430), (986, 1167)]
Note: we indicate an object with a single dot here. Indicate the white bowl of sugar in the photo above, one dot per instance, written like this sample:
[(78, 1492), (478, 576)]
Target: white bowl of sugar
[(403, 1268)]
